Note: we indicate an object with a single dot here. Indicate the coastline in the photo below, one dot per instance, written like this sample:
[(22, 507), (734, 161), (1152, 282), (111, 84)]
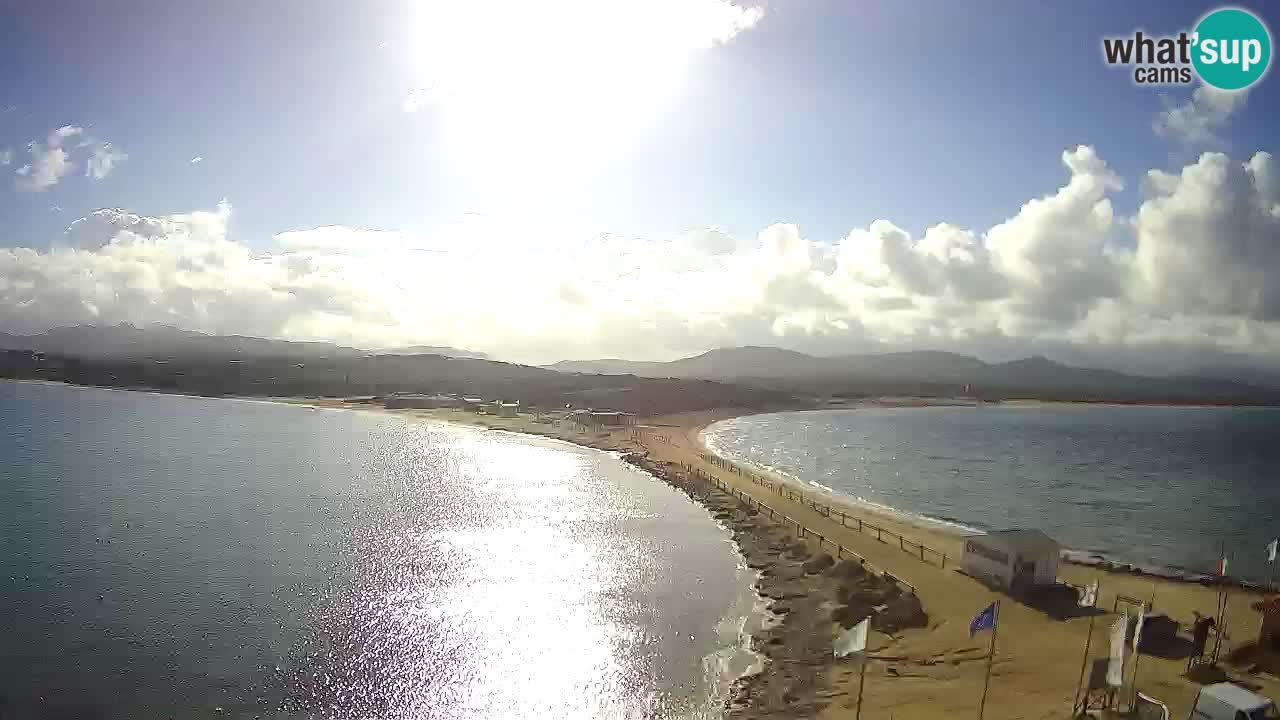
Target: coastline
[(934, 671), (949, 532)]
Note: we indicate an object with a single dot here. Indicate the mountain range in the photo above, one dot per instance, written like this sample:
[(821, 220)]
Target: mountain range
[(125, 341), (929, 373)]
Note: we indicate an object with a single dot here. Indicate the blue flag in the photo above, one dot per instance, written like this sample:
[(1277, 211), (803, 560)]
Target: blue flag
[(985, 620)]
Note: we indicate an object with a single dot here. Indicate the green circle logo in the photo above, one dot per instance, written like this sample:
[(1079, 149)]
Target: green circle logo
[(1232, 49)]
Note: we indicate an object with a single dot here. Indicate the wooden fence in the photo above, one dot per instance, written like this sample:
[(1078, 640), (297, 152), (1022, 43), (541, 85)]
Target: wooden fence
[(824, 543), (923, 552)]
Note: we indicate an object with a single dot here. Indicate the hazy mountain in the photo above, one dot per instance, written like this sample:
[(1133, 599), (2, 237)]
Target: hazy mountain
[(162, 341), (928, 372), (1241, 373), (434, 350), (126, 341)]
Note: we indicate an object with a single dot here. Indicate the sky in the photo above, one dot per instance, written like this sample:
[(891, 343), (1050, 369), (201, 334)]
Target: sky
[(649, 179)]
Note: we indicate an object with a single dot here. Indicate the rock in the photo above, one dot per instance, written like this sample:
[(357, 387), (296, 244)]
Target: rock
[(903, 612), (818, 564), (848, 569)]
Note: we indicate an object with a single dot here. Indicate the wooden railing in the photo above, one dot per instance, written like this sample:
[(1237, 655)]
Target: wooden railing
[(824, 543), (916, 549)]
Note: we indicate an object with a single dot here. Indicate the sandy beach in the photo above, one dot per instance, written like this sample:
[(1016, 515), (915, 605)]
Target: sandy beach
[(935, 671)]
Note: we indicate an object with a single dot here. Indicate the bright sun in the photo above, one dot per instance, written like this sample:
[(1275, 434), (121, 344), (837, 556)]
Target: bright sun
[(533, 96)]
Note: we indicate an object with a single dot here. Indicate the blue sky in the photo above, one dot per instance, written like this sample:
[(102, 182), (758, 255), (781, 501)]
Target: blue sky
[(827, 115)]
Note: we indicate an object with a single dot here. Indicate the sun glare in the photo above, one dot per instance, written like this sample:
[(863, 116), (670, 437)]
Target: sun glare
[(533, 97)]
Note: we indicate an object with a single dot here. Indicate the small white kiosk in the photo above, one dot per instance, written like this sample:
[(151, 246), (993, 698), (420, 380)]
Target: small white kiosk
[(1012, 558)]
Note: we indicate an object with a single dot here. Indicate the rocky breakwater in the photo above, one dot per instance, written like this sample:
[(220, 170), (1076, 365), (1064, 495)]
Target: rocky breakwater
[(811, 595)]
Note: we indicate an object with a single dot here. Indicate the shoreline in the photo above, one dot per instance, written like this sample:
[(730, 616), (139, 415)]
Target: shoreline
[(929, 671), (958, 529), (800, 677)]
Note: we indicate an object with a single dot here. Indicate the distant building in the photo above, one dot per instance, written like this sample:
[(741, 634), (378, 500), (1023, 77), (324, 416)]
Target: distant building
[(506, 409), (400, 401), (473, 404), (602, 418), (1012, 559)]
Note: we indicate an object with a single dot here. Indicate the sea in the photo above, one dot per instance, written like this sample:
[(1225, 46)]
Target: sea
[(166, 556), (1164, 489)]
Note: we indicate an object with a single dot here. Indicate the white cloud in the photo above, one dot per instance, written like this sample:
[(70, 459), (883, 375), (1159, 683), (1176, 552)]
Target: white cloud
[(59, 136), (1190, 272), (197, 160), (53, 159), (1198, 121), (103, 160), (48, 165)]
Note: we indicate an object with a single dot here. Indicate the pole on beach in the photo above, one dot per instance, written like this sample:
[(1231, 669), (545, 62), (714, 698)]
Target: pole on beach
[(991, 656), (862, 679), (1137, 641), (1224, 597), (1088, 640), (1084, 663)]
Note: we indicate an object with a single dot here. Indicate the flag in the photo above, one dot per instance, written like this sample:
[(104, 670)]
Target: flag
[(853, 640), (1222, 565), (1115, 668), (985, 620), (1271, 551), (1089, 598), (1137, 628)]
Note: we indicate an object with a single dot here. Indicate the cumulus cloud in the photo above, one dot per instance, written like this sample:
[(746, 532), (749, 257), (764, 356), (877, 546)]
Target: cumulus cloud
[(52, 160), (1189, 272), (59, 136), (48, 165), (103, 160), (1197, 121)]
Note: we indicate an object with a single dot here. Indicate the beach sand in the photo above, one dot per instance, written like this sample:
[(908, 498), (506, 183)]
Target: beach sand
[(937, 671)]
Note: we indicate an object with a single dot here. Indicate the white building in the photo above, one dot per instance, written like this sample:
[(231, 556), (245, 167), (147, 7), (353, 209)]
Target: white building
[(1012, 559)]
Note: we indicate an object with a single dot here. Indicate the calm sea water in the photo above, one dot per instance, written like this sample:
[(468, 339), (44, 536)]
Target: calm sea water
[(1155, 486), (168, 556)]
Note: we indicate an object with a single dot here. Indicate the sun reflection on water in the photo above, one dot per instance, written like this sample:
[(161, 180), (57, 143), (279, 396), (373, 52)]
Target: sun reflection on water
[(508, 590)]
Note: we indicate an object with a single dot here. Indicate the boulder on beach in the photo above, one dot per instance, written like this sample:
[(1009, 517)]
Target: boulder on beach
[(818, 564), (904, 612), (848, 569)]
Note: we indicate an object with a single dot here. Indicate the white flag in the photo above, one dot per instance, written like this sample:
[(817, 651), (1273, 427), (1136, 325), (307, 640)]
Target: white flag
[(1115, 668), (1271, 551), (1137, 628), (853, 640), (1089, 598)]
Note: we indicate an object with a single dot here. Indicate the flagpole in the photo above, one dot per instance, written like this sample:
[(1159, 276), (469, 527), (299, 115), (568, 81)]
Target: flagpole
[(1084, 663), (1088, 640), (862, 678), (1137, 641), (995, 625), (1222, 626)]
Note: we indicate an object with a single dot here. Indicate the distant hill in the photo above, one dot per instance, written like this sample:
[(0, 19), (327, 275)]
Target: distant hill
[(929, 373), (126, 341), (444, 350), (162, 358), (1241, 373)]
